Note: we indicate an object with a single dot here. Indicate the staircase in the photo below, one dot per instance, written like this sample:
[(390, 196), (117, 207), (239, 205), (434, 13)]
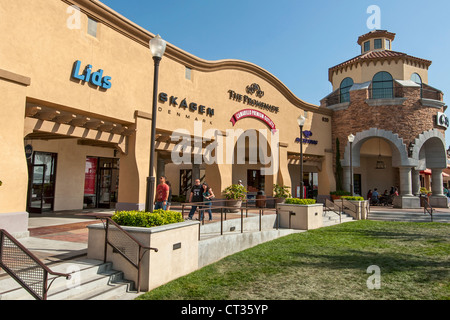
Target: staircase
[(331, 218), (91, 280)]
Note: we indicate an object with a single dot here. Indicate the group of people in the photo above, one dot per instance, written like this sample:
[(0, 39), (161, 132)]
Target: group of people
[(200, 193), (385, 198)]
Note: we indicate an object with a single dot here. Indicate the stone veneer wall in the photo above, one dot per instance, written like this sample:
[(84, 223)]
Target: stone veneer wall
[(408, 119)]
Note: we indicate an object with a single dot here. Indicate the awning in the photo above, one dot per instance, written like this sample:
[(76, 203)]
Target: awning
[(427, 172)]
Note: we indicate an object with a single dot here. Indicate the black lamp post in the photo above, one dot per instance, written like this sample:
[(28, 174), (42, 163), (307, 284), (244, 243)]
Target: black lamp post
[(351, 138), (157, 47), (301, 122)]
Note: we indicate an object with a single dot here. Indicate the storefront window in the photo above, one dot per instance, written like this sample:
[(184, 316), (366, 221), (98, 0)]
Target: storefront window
[(101, 182)]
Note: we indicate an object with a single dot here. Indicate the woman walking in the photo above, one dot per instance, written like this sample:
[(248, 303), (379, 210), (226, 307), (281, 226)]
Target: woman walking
[(208, 195)]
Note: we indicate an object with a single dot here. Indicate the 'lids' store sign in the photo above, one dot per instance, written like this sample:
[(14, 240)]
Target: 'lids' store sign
[(95, 78)]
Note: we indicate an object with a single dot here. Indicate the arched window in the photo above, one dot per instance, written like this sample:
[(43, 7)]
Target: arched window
[(346, 84), (417, 79), (382, 86)]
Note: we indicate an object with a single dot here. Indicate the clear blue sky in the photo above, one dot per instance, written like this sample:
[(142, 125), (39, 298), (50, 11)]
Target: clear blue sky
[(296, 40)]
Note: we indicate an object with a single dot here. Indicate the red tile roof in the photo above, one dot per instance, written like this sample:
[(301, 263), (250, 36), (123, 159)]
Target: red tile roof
[(378, 56)]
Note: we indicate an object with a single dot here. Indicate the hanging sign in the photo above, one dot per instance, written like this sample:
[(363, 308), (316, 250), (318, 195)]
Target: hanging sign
[(246, 113)]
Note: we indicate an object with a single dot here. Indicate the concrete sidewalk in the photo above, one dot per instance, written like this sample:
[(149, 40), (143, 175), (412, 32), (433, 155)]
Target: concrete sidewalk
[(60, 236), (386, 213)]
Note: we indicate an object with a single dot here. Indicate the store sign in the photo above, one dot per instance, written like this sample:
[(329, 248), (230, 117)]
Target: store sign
[(246, 113), (442, 120), (95, 78), (307, 138), (253, 89), (184, 104)]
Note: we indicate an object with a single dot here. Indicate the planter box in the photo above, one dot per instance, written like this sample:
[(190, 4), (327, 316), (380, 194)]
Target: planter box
[(177, 254), (303, 217), (356, 209)]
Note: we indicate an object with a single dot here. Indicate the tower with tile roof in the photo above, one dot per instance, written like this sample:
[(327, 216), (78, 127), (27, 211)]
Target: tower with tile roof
[(383, 98)]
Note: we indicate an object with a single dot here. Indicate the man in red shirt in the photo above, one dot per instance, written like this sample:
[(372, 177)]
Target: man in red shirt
[(162, 194)]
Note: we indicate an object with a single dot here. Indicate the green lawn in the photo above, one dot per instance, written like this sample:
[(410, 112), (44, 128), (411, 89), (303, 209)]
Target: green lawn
[(328, 263)]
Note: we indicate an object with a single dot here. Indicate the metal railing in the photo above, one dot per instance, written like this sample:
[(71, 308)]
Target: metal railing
[(25, 268), (427, 208), (125, 244), (216, 205), (331, 206)]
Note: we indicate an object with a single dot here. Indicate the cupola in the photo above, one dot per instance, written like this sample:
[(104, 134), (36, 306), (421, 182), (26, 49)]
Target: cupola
[(376, 40)]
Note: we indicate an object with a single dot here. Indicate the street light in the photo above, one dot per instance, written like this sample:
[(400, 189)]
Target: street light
[(301, 122), (157, 47), (351, 138)]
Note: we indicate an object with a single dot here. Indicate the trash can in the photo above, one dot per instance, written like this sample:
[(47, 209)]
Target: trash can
[(260, 200)]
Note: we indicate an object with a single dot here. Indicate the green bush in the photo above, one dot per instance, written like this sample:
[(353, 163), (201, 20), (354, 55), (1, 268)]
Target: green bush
[(146, 219), (340, 193), (354, 198), (299, 201), (235, 192)]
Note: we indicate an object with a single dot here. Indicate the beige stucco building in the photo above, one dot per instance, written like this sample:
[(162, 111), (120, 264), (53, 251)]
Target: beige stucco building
[(76, 83)]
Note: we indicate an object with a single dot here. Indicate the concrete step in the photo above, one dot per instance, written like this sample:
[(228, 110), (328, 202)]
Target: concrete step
[(91, 280), (331, 218)]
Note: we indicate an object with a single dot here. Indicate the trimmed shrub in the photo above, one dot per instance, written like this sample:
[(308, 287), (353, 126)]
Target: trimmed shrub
[(299, 201), (354, 198), (146, 219)]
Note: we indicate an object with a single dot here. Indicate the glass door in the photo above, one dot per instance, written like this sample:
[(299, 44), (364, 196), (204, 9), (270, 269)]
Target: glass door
[(108, 183), (41, 182)]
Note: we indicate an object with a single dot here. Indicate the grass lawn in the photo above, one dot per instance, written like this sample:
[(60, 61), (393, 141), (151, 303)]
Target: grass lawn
[(327, 264)]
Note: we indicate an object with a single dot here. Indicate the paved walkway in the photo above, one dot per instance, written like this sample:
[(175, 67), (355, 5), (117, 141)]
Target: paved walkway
[(60, 236)]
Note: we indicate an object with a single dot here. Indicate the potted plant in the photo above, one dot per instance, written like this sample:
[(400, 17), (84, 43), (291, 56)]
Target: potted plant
[(237, 193), (338, 194), (280, 193)]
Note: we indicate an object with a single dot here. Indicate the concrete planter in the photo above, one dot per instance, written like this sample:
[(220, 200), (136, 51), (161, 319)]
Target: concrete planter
[(177, 254), (302, 217), (356, 209)]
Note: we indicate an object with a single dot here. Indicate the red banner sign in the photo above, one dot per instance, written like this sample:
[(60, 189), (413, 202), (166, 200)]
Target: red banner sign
[(89, 175), (253, 114)]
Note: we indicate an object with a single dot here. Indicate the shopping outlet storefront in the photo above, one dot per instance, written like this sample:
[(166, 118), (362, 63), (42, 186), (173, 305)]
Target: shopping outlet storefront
[(76, 118)]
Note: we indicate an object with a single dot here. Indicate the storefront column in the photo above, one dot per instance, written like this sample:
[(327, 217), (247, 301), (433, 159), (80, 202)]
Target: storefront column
[(406, 199), (415, 182), (134, 167), (13, 164), (195, 172), (437, 198), (160, 168)]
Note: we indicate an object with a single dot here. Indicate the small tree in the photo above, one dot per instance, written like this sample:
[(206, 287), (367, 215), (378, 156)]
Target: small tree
[(339, 170)]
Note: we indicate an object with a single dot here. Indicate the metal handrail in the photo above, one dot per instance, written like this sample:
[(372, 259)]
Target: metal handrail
[(427, 208), (141, 248), (13, 259), (332, 208)]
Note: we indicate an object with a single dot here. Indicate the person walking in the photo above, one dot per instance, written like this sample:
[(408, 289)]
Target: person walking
[(195, 197), (208, 195), (162, 194), (169, 199)]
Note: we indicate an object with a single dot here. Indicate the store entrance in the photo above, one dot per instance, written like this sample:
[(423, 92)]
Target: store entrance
[(101, 186), (41, 182)]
